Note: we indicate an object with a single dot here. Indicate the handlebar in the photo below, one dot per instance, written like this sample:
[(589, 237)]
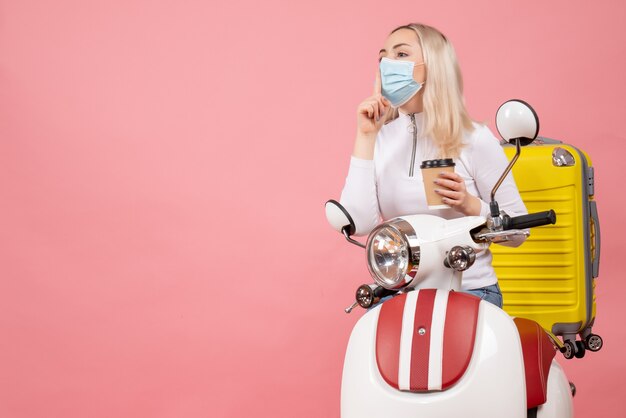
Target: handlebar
[(529, 221), (367, 295), (380, 292)]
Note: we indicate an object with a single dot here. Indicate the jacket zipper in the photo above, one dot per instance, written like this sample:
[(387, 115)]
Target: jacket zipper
[(411, 168)]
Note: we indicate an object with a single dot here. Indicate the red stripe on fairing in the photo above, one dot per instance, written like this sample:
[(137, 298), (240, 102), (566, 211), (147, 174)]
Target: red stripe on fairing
[(420, 348), (458, 336), (388, 339)]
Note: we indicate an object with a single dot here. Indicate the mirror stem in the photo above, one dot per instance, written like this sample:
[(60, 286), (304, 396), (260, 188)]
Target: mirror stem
[(495, 211), (350, 240)]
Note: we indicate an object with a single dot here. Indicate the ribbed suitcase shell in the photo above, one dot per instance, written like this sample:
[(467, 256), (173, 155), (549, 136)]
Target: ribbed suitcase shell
[(551, 277)]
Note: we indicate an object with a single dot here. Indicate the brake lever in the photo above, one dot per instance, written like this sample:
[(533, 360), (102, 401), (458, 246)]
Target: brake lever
[(500, 236)]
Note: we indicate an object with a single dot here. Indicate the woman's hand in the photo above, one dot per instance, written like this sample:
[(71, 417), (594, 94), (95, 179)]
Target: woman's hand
[(455, 194), (371, 115), (372, 111)]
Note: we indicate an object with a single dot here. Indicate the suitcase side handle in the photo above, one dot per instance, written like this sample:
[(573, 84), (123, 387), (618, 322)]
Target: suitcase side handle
[(593, 212)]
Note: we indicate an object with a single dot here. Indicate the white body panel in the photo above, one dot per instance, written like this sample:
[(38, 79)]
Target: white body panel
[(559, 403), (435, 237), (493, 384)]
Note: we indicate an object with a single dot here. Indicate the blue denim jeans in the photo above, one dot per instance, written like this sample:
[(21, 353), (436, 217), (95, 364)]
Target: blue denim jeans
[(491, 294)]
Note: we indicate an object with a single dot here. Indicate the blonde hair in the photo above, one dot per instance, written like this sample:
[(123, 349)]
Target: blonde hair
[(445, 116)]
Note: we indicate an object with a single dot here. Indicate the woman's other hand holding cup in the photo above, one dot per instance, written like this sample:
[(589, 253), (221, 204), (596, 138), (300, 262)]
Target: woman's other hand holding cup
[(454, 194)]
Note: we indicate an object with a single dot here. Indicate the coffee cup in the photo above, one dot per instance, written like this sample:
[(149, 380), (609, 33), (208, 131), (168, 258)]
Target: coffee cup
[(430, 172)]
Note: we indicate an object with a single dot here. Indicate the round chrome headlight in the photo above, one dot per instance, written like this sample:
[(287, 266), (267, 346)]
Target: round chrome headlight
[(391, 259)]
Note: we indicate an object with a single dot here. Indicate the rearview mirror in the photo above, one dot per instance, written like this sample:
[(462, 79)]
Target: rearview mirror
[(341, 221), (517, 120), (339, 218), (518, 124)]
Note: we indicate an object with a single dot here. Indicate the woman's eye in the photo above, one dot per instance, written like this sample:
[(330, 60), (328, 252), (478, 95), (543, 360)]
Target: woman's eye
[(402, 54)]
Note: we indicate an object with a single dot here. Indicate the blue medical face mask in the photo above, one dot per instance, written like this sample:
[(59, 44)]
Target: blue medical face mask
[(398, 85)]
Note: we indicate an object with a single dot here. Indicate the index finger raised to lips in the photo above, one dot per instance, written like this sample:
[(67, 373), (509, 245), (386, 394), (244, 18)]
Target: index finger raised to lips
[(378, 83)]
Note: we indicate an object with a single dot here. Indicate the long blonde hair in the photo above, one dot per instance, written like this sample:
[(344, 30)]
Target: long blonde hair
[(445, 116)]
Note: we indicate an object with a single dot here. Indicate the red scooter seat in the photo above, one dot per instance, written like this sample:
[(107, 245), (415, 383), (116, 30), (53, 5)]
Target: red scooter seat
[(538, 353)]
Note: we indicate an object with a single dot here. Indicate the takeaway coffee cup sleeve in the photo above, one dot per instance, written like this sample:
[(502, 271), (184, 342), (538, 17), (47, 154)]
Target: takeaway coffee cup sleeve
[(430, 172)]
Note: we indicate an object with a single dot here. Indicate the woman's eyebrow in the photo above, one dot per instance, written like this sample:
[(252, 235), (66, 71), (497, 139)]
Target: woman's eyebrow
[(394, 47)]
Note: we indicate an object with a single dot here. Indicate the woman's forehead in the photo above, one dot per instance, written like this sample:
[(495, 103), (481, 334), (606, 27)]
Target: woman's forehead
[(402, 37)]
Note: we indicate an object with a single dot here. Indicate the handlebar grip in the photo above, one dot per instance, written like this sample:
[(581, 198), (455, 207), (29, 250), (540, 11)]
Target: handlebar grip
[(531, 220), (380, 292)]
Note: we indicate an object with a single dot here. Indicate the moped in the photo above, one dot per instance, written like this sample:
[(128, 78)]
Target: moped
[(430, 350)]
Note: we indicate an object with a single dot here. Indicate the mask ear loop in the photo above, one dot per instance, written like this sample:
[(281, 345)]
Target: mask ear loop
[(421, 63)]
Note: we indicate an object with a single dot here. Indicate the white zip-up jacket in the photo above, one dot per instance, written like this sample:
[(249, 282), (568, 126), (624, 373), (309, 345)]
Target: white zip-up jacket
[(382, 188)]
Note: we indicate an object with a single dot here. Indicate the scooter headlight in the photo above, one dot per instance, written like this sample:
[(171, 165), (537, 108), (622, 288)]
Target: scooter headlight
[(391, 258)]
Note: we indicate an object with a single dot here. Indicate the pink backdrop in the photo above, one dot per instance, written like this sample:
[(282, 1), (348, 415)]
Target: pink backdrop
[(163, 169)]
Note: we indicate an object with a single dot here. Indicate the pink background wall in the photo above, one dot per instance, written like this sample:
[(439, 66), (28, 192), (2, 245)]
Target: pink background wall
[(163, 169)]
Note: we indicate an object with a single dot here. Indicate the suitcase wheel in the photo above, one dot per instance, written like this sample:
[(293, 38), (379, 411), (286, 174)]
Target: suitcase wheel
[(593, 342), (580, 349), (568, 349)]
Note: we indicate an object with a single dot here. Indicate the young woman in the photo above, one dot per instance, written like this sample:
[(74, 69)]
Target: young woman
[(417, 113)]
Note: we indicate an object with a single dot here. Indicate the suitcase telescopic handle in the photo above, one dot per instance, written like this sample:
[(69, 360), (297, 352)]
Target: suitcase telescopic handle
[(531, 220)]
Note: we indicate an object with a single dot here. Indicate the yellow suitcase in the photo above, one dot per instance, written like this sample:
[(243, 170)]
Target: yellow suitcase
[(551, 277)]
